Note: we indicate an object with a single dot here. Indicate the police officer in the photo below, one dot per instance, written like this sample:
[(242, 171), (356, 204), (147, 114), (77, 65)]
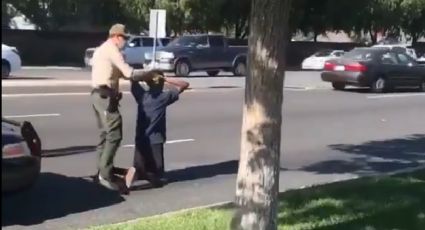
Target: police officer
[(108, 66)]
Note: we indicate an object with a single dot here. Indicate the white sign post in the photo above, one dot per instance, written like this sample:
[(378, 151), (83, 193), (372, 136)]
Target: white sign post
[(157, 30)]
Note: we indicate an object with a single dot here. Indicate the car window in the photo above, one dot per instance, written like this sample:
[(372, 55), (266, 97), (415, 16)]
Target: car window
[(189, 41), (323, 53), (389, 58), (216, 41), (147, 42), (360, 55), (404, 60), (135, 42), (339, 54)]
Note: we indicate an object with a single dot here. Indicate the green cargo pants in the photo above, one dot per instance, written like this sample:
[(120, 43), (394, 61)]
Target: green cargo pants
[(110, 126)]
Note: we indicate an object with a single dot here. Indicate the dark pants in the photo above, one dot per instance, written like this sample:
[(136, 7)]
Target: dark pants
[(150, 158), (110, 126)]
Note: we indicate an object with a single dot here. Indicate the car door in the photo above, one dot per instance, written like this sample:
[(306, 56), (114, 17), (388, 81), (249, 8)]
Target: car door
[(391, 68), (217, 53), (132, 51), (147, 46), (411, 72), (199, 53)]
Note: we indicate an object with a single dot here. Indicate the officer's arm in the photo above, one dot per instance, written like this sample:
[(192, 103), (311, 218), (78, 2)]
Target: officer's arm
[(129, 73), (118, 60)]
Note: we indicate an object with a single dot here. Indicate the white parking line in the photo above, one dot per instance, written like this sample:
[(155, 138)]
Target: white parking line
[(33, 115), (168, 142), (49, 94), (21, 95), (396, 95)]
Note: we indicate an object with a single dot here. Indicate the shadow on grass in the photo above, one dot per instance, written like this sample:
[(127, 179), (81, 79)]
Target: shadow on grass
[(369, 203)]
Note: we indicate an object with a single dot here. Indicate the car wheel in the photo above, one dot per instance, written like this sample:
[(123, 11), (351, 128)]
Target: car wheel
[(338, 85), (213, 73), (182, 68), (240, 68), (379, 85), (5, 69)]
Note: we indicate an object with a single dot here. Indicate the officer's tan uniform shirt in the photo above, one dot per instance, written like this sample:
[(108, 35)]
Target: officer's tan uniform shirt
[(108, 66)]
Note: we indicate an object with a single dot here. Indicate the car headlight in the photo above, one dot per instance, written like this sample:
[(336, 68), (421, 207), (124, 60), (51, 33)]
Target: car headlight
[(166, 55)]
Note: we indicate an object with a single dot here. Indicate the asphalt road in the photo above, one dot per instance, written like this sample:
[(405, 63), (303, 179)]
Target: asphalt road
[(327, 136), (52, 77)]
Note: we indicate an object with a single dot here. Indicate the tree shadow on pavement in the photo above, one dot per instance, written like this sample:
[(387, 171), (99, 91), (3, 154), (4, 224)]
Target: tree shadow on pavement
[(363, 90), (60, 152), (376, 156), (55, 196), (203, 171)]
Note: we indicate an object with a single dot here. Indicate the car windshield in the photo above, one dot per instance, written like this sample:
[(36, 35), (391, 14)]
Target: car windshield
[(189, 41), (323, 53), (360, 54)]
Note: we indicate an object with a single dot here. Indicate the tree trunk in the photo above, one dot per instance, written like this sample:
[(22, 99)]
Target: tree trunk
[(414, 39), (373, 36), (259, 166), (315, 34)]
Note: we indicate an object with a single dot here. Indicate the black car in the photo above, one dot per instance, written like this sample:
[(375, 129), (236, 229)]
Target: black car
[(21, 155), (381, 69)]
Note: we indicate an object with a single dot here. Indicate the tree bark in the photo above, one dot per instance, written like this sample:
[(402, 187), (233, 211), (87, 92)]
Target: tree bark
[(259, 166)]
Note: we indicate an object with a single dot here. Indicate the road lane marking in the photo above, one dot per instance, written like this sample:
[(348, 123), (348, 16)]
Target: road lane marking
[(42, 95), (168, 142), (396, 95), (22, 95), (34, 115)]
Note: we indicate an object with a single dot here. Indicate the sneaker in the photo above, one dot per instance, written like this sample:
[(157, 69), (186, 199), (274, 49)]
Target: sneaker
[(130, 176), (109, 184)]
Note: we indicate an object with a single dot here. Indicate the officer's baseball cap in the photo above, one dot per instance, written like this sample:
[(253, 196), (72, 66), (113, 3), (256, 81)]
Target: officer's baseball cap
[(118, 29)]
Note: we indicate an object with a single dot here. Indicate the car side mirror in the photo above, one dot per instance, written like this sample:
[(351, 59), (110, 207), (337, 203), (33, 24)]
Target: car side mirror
[(131, 44), (410, 64)]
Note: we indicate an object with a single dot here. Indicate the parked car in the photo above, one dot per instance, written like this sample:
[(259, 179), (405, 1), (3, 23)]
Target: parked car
[(10, 60), (402, 47), (318, 59), (379, 68), (21, 155), (209, 53), (134, 51), (421, 60)]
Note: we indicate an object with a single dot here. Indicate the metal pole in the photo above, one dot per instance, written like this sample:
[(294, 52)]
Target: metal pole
[(154, 40)]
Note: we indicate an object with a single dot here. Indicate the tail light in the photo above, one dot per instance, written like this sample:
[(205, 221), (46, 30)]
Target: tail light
[(329, 66), (356, 67), (15, 150)]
